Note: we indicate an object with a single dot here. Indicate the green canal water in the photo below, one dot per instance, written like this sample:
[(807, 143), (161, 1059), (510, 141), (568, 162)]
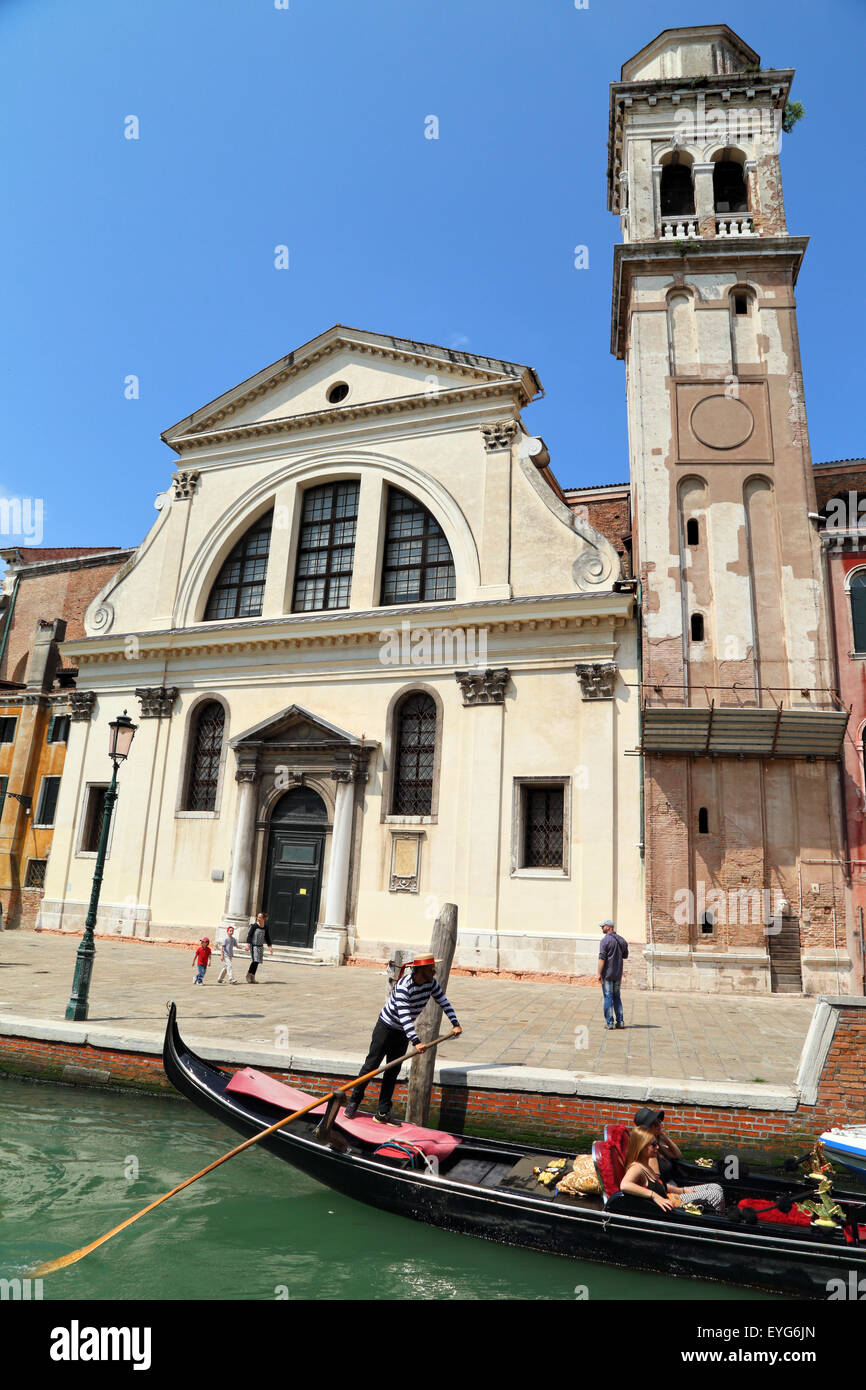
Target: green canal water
[(77, 1162)]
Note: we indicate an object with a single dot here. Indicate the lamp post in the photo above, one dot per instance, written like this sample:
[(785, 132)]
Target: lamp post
[(121, 732)]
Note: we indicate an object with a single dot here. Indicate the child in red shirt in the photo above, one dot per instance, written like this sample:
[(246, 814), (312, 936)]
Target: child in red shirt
[(201, 960)]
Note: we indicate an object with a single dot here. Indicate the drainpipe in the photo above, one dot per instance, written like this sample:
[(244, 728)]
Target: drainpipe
[(638, 604)]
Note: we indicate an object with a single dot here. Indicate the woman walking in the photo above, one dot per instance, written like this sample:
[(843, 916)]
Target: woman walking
[(257, 939)]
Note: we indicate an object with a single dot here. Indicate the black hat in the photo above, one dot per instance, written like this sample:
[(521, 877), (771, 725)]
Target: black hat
[(646, 1118)]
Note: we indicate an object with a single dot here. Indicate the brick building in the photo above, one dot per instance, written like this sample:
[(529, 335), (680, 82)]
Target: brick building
[(45, 594), (840, 489)]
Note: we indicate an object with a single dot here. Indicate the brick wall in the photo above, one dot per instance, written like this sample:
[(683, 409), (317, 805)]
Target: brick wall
[(64, 594), (526, 1116)]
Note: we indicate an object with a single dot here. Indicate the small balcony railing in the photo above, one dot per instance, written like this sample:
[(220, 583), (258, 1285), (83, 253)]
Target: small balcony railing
[(678, 228), (735, 224)]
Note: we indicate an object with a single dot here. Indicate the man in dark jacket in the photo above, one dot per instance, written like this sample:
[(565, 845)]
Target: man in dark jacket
[(612, 951)]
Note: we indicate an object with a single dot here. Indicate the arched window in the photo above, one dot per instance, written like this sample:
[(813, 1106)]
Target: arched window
[(205, 749), (729, 187), (418, 565), (415, 745), (677, 191), (326, 547), (239, 587), (858, 609)]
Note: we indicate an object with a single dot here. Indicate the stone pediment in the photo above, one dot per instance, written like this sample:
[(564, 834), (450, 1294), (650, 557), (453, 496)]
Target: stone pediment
[(373, 372), (296, 727)]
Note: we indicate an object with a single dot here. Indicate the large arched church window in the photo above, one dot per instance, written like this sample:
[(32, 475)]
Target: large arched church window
[(415, 744), (326, 547), (205, 751), (239, 588), (418, 565), (858, 609)]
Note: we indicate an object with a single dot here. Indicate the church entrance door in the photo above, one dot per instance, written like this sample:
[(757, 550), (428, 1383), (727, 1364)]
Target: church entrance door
[(294, 867)]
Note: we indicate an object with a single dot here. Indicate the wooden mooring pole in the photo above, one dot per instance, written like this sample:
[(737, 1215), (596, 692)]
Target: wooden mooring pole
[(421, 1071)]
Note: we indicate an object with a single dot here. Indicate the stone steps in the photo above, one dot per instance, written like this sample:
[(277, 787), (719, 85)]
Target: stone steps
[(296, 955)]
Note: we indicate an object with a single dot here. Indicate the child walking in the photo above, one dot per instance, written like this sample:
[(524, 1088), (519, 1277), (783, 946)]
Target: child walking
[(227, 951), (201, 960)]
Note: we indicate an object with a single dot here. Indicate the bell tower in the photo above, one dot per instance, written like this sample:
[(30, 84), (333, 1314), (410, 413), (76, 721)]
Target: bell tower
[(741, 730)]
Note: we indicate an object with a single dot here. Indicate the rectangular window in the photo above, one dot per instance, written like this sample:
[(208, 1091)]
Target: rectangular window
[(7, 728), (58, 729), (542, 828), (540, 835), (35, 875), (4, 783), (94, 809), (46, 806), (326, 547)]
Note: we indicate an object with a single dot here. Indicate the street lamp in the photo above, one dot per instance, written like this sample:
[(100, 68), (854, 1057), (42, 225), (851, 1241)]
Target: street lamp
[(121, 732)]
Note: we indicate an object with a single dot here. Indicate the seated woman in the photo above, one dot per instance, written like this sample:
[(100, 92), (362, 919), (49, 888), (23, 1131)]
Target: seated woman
[(664, 1163), (640, 1179)]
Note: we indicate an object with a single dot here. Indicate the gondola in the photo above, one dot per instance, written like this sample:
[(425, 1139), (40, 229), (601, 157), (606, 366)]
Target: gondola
[(487, 1188)]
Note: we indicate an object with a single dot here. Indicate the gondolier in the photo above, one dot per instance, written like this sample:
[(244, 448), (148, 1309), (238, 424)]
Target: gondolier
[(396, 1024)]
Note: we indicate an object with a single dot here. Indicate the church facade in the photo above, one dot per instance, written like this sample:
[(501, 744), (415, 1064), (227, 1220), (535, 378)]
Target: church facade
[(378, 663)]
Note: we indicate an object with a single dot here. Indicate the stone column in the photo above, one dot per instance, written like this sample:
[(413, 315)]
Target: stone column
[(705, 206), (331, 937), (243, 853)]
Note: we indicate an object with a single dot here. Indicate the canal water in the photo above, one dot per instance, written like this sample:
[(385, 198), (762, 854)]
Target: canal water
[(77, 1162)]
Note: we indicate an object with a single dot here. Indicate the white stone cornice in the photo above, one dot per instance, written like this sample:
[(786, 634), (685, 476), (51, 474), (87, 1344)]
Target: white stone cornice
[(338, 414)]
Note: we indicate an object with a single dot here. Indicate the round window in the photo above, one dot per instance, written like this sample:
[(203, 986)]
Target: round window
[(338, 392)]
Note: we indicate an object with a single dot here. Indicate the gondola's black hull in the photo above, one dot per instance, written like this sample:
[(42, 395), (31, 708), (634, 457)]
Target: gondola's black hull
[(766, 1257)]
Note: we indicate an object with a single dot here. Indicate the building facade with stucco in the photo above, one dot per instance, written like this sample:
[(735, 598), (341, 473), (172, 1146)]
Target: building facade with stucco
[(378, 663)]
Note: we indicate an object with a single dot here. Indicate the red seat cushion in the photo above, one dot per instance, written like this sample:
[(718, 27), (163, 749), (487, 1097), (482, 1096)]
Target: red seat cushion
[(784, 1218), (609, 1165), (429, 1141), (260, 1086), (618, 1136)]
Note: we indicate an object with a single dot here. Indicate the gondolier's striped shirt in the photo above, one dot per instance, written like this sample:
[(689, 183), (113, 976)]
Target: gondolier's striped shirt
[(406, 1002)]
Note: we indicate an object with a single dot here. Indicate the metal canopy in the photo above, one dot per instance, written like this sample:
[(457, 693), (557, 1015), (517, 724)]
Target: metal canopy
[(756, 733)]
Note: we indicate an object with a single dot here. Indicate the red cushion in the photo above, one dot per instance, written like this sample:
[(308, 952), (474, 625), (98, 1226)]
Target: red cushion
[(618, 1136), (608, 1164), (260, 1086), (783, 1218), (429, 1141)]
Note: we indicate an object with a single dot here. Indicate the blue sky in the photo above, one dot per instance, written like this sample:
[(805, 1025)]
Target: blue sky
[(305, 127)]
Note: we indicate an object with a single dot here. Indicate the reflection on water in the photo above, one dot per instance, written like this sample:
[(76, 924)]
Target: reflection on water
[(77, 1162)]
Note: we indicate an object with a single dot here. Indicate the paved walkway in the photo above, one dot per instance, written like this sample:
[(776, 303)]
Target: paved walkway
[(306, 1009)]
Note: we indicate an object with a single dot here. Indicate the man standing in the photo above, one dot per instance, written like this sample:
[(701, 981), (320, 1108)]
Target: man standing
[(612, 951), (395, 1024)]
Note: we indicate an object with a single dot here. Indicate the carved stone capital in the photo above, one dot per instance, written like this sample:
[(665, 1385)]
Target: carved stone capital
[(157, 701), (245, 774), (81, 703), (183, 484), (500, 434), (597, 679), (483, 687), (342, 774)]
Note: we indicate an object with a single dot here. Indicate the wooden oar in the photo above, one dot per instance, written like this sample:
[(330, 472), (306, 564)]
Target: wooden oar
[(76, 1255)]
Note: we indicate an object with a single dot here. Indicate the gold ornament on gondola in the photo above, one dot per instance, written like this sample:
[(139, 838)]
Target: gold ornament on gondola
[(704, 1162), (821, 1167), (825, 1212)]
